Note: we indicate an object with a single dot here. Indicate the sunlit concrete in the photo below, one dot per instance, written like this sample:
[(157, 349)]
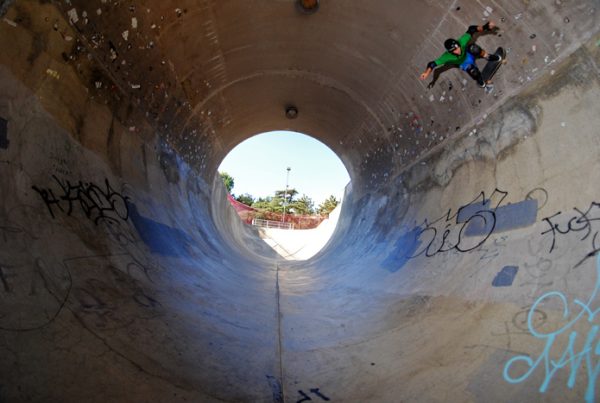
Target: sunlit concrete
[(464, 265), (301, 244)]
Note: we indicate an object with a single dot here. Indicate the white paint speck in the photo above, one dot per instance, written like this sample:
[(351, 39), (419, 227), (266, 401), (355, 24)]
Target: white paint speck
[(125, 34), (73, 17), (134, 24), (10, 22)]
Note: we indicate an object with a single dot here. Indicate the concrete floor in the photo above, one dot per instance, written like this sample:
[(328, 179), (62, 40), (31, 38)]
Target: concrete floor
[(464, 266)]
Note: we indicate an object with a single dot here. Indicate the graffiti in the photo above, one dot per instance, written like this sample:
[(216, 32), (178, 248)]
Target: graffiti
[(104, 294), (493, 251), (449, 232), (306, 398), (4, 142), (97, 203), (39, 289), (569, 356), (4, 279), (465, 230), (539, 194), (581, 222), (468, 228)]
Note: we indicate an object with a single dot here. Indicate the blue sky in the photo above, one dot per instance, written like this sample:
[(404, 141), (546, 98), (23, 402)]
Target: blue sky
[(258, 166)]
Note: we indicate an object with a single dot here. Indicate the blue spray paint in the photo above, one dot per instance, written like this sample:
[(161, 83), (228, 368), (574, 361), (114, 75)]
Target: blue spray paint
[(404, 248), (569, 356), (505, 277)]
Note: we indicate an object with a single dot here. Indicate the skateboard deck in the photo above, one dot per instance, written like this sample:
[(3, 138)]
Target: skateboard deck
[(492, 67)]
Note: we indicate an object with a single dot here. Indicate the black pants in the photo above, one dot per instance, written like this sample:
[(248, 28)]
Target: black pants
[(472, 70)]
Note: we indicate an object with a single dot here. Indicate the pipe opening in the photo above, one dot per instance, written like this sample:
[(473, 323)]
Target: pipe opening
[(290, 186)]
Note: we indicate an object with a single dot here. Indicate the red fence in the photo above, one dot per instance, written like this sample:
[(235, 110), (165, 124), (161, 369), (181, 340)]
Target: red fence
[(247, 214)]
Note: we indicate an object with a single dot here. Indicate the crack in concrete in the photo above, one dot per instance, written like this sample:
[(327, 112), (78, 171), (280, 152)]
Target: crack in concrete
[(281, 398)]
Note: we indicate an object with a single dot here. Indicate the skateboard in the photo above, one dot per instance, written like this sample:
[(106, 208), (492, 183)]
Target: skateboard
[(492, 67)]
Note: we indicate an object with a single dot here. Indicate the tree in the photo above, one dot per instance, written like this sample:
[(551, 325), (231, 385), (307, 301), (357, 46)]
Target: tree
[(328, 205), (246, 199), (289, 194), (303, 206), (227, 181), (277, 202), (263, 203)]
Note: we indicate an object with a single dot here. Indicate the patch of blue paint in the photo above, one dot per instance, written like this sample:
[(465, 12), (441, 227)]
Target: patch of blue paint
[(505, 277), (404, 249), (504, 218), (160, 238), (276, 388), (466, 212)]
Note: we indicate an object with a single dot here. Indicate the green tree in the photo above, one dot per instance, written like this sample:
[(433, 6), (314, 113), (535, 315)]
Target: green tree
[(227, 180), (288, 194), (304, 206), (245, 198), (275, 203), (328, 205), (263, 203)]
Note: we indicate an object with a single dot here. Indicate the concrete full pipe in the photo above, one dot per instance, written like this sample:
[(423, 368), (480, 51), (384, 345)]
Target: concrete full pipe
[(465, 264)]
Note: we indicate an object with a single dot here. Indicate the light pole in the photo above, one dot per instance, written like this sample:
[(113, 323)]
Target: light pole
[(287, 179)]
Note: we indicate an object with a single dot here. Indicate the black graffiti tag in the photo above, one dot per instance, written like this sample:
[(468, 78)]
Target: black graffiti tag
[(97, 203), (314, 391), (581, 222), (449, 232)]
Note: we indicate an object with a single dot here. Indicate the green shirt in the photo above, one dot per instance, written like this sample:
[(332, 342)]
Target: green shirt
[(451, 58)]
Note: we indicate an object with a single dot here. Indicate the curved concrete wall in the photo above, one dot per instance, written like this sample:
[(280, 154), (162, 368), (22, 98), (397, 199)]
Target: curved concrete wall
[(464, 266)]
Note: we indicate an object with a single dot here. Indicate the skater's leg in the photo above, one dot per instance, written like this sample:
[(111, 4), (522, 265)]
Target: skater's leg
[(475, 74)]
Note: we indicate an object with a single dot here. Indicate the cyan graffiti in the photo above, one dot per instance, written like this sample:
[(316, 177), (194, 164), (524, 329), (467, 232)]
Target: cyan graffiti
[(569, 357), (582, 223)]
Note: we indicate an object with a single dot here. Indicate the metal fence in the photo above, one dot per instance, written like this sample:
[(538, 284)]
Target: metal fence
[(272, 224)]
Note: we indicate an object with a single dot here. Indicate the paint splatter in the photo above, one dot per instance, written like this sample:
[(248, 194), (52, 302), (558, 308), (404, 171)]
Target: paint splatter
[(505, 277)]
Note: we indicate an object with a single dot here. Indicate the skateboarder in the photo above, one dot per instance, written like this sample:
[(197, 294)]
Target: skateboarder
[(463, 52)]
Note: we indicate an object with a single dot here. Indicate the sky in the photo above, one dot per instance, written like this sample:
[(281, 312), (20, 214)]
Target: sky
[(259, 166)]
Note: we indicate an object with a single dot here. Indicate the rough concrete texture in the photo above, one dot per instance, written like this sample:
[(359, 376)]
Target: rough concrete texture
[(465, 263)]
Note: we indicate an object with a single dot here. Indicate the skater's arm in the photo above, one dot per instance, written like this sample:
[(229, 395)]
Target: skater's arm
[(430, 66), (488, 26)]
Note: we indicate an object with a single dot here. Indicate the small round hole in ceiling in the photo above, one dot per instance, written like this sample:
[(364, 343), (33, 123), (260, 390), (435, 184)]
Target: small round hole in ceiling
[(291, 112), (307, 6)]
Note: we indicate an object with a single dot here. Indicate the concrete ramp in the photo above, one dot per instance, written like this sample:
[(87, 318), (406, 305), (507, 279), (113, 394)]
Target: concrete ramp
[(465, 263), (301, 244)]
